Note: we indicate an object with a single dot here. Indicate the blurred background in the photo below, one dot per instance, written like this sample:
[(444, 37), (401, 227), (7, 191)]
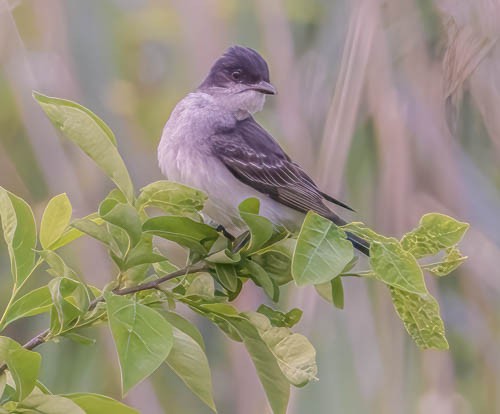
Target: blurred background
[(393, 106)]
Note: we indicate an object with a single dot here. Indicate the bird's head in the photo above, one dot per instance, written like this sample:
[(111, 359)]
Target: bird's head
[(239, 80)]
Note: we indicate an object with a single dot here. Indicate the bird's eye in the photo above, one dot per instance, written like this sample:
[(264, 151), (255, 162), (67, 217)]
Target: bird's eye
[(236, 75)]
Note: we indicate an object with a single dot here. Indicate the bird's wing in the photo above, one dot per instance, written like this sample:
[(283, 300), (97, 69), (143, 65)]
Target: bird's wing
[(257, 160)]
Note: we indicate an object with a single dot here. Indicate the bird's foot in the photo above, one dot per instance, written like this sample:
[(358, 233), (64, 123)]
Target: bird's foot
[(221, 229), (241, 241)]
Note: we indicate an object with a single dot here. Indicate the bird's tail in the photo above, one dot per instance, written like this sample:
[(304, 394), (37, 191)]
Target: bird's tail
[(360, 244)]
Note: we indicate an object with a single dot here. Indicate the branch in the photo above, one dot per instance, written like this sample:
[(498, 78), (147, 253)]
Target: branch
[(153, 284)]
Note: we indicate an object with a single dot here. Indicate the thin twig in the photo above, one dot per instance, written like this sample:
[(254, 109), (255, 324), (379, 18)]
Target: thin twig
[(153, 284)]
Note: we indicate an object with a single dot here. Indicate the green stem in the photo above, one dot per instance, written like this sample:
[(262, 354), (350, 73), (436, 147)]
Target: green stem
[(15, 290)]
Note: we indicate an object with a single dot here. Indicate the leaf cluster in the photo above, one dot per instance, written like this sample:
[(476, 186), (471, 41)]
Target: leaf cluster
[(139, 306)]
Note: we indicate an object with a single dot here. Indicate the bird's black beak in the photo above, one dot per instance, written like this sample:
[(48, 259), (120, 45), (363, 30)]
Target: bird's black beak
[(265, 87)]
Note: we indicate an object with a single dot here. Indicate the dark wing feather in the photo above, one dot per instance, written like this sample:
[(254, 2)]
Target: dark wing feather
[(256, 159)]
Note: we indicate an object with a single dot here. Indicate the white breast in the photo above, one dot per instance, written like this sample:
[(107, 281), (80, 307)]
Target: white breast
[(185, 157)]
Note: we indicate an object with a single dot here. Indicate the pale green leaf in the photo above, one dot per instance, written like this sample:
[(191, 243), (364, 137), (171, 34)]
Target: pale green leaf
[(261, 229), (172, 198), (188, 360), (124, 216), (276, 386), (434, 233), (337, 293), (420, 315), (322, 251), (202, 284), (227, 276), (276, 260), (224, 256), (33, 303), (50, 404), (280, 319), (80, 339), (143, 338), (55, 220), (396, 267), (450, 262), (71, 233), (98, 231), (71, 300), (92, 135), (99, 404), (19, 232), (143, 253), (295, 355), (185, 326), (261, 277), (182, 230), (332, 292), (24, 366), (57, 266)]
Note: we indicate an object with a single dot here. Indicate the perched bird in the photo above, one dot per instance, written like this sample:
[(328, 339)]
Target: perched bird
[(212, 142)]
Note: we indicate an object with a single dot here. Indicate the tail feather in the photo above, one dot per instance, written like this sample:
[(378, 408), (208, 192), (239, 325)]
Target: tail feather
[(359, 244)]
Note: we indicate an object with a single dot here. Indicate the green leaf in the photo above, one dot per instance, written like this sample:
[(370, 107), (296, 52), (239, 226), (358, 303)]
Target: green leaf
[(202, 284), (55, 220), (322, 251), (3, 382), (227, 276), (19, 232), (337, 293), (92, 135), (396, 267), (420, 315), (281, 319), (295, 355), (24, 366), (71, 233), (182, 230), (172, 198), (142, 336), (80, 339), (261, 229), (99, 404), (143, 253), (71, 300), (260, 276), (332, 292), (177, 321), (276, 386), (98, 231), (277, 260), (224, 256), (33, 303), (434, 233), (49, 404), (188, 360), (164, 267), (57, 266), (450, 262), (124, 216)]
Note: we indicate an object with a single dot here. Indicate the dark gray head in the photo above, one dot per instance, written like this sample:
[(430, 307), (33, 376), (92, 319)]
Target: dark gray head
[(239, 69)]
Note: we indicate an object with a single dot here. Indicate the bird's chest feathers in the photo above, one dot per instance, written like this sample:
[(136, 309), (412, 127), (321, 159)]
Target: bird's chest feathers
[(184, 153)]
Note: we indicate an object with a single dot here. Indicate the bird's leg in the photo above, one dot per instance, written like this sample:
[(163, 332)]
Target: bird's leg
[(241, 241), (221, 229)]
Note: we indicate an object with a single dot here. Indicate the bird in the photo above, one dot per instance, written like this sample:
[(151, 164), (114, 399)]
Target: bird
[(212, 142)]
